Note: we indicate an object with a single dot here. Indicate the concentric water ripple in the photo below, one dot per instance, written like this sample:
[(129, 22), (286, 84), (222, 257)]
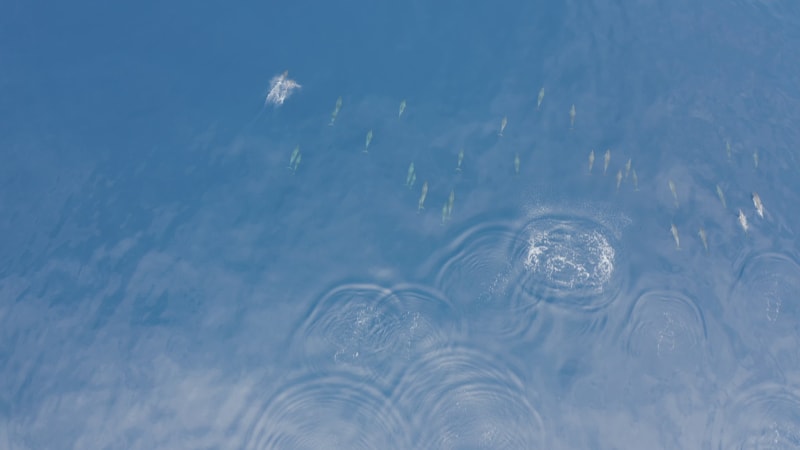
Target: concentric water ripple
[(565, 260), (373, 330), (475, 272), (764, 298), (332, 412), (501, 271), (665, 329), (764, 417), (461, 398), (472, 269)]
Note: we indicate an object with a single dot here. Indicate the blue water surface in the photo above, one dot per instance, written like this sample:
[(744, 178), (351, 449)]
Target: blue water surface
[(171, 276)]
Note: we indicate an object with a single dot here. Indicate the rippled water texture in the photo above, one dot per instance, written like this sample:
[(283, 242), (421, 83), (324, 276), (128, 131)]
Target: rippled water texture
[(458, 397), (502, 271), (764, 416), (665, 330), (329, 411), (763, 302), (373, 331), (568, 261), (404, 342)]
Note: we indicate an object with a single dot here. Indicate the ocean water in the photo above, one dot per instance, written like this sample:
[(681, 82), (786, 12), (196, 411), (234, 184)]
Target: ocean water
[(172, 275)]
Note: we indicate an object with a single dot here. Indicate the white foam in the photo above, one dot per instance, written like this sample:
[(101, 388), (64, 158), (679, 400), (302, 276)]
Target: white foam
[(569, 258), (280, 88)]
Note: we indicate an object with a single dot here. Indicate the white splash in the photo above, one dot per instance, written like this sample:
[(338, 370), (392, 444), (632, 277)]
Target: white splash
[(579, 260), (280, 88)]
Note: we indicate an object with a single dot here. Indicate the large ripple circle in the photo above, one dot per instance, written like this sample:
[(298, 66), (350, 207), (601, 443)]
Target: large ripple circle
[(459, 398), (665, 330), (471, 270), (373, 330), (335, 411), (764, 416), (566, 260), (762, 305)]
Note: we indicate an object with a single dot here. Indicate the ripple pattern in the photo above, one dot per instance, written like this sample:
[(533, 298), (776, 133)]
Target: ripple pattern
[(473, 269), (333, 412), (565, 260), (461, 398), (765, 290), (764, 417), (373, 330), (477, 273), (665, 328), (502, 271)]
